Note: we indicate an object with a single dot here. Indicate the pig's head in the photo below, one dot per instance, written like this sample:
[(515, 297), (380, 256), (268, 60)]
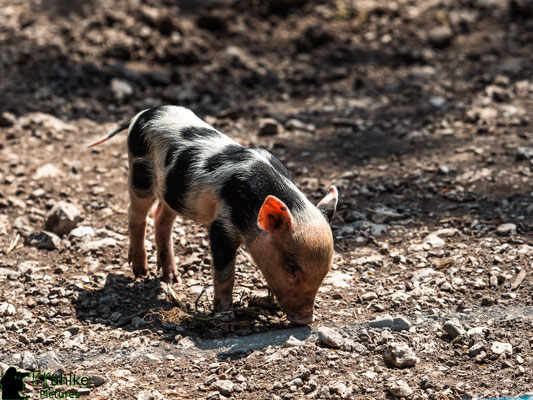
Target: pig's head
[(294, 253)]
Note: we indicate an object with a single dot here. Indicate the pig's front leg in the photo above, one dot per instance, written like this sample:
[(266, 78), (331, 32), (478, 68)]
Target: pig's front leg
[(224, 247)]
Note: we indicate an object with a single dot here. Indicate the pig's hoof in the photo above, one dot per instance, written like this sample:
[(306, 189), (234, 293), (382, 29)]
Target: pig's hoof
[(140, 271), (171, 275)]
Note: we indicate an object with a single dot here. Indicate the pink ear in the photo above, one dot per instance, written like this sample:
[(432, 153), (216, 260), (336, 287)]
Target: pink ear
[(274, 216)]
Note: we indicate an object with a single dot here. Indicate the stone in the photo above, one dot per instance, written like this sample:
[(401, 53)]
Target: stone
[(506, 229), (369, 296), (62, 218), (81, 232), (400, 324), (339, 279), (437, 101), (293, 342), (453, 328), (7, 309), (7, 119), (524, 153), (46, 171), (440, 36), (296, 382), (434, 241), (99, 244), (121, 88), (502, 348), (43, 240), (269, 127), (382, 322), (137, 322), (49, 362), (476, 349), (97, 380), (399, 355), (29, 362), (225, 387), (329, 337), (399, 389)]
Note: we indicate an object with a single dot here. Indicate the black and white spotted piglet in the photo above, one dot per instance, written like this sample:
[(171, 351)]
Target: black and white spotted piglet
[(245, 196)]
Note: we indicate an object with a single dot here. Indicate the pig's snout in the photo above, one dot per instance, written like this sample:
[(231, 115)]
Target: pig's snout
[(301, 319)]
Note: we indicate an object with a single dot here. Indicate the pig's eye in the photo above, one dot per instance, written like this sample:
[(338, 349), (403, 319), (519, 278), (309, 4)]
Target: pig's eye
[(294, 267)]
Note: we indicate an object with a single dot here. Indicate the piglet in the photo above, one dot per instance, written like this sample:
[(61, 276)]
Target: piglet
[(245, 196)]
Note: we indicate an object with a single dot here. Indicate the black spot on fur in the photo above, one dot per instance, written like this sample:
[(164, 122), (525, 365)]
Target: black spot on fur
[(223, 249), (137, 144), (141, 176), (246, 191), (194, 132), (278, 166), (179, 178), (229, 154), (172, 150)]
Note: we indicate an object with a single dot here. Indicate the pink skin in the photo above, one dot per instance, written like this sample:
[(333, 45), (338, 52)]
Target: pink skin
[(138, 211), (163, 219)]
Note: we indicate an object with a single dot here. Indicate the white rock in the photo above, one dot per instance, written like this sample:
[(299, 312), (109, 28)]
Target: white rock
[(330, 337), (502, 348), (400, 389)]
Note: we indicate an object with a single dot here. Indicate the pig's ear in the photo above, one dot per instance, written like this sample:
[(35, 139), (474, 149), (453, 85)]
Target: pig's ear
[(328, 204), (274, 216)]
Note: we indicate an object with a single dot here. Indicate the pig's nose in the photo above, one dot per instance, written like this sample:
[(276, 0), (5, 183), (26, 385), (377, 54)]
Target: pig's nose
[(301, 319)]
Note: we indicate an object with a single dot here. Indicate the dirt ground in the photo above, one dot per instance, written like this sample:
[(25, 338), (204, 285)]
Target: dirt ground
[(420, 112)]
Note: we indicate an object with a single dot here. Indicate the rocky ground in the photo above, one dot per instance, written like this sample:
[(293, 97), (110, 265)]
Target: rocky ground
[(419, 112)]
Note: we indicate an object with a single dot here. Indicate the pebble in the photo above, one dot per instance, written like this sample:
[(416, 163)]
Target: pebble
[(506, 229), (81, 232), (49, 362), (476, 349), (293, 342), (437, 101), (524, 153), (269, 127), (73, 329), (97, 380), (369, 296), (29, 362), (62, 218), (453, 328), (502, 348), (329, 337), (46, 171), (7, 119), (399, 355), (225, 387), (382, 322), (296, 382), (401, 324), (121, 88), (434, 241), (98, 244), (399, 389), (7, 309), (137, 322), (43, 240), (440, 36)]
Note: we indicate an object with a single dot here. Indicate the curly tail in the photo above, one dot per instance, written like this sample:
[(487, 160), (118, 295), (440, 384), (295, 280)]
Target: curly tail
[(120, 128)]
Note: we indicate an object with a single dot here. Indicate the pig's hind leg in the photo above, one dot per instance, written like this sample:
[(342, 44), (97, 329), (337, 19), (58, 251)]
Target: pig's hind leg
[(224, 247), (164, 218), (138, 211)]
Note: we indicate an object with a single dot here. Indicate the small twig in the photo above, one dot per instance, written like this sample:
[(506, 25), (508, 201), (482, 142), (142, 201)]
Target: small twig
[(198, 299), (13, 244), (174, 297)]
